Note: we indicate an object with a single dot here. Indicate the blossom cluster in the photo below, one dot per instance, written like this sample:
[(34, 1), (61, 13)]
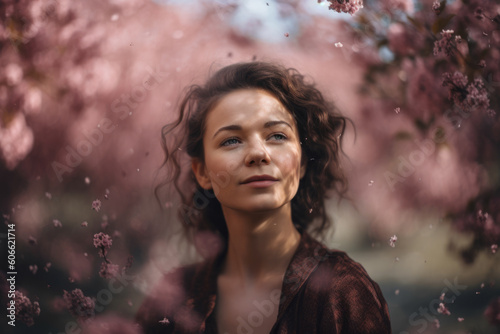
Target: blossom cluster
[(26, 310), (103, 242), (109, 270), (80, 306), (447, 44), (345, 6), (465, 95)]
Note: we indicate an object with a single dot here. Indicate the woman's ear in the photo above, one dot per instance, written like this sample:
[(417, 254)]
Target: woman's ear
[(201, 174)]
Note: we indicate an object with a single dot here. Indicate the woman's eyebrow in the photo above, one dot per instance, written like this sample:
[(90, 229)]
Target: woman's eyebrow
[(235, 127)]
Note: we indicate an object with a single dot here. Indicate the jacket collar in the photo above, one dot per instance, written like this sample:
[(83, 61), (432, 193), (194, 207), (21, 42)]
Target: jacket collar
[(306, 258)]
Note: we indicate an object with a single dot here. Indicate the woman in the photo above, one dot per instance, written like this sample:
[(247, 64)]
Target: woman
[(264, 150)]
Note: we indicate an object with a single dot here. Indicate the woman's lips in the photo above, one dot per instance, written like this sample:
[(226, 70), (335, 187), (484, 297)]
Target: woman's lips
[(260, 183), (257, 178)]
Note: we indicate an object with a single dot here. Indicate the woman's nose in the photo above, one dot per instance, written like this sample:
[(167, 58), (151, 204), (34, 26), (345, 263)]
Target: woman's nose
[(257, 154)]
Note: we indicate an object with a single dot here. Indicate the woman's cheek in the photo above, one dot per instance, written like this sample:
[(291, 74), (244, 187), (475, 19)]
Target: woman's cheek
[(289, 161)]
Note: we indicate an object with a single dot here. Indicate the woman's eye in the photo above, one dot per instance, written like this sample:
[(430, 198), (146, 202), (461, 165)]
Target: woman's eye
[(279, 136), (230, 141)]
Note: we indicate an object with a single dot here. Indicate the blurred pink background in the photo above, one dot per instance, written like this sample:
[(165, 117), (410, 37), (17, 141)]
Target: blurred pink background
[(85, 88)]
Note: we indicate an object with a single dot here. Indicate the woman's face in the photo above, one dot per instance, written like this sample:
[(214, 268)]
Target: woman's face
[(250, 134)]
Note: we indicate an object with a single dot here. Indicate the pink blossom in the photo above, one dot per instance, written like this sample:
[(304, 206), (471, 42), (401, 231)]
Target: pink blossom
[(164, 321), (103, 242), (443, 309), (109, 270), (84, 224), (79, 305), (460, 319), (392, 241), (345, 6), (494, 248), (447, 44), (26, 310), (57, 223), (465, 95), (33, 268), (96, 205), (437, 7)]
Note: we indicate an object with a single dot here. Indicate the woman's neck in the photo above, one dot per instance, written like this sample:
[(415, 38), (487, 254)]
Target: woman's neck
[(260, 245)]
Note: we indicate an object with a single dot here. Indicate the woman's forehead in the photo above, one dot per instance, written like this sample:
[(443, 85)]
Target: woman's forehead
[(247, 106)]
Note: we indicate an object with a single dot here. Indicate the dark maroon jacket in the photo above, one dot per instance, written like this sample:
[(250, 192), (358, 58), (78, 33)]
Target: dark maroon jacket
[(323, 291)]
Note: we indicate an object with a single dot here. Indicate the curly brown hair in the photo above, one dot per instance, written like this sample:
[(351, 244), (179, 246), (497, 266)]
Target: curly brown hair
[(320, 128)]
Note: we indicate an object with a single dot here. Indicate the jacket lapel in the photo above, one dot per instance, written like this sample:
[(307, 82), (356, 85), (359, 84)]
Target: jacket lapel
[(308, 255)]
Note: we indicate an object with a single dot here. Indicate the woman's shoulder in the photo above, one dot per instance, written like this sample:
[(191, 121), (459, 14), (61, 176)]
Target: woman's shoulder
[(335, 264), (348, 294), (343, 268), (338, 272)]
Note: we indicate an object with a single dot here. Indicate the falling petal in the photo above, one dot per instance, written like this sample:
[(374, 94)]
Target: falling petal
[(392, 241), (96, 205)]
